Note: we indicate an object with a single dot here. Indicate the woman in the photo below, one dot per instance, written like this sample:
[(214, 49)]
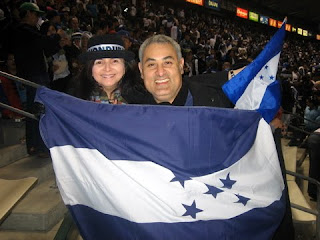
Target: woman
[(107, 74)]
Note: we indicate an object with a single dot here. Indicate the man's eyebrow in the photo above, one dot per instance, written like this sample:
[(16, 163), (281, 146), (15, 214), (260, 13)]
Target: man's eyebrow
[(153, 59)]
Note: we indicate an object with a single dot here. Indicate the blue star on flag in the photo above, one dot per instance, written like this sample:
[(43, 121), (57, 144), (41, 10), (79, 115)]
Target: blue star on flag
[(271, 78), (191, 210), (213, 191), (242, 199), (228, 183), (180, 179)]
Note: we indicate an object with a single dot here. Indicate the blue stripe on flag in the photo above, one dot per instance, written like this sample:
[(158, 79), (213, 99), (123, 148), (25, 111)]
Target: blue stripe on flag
[(95, 226), (169, 125)]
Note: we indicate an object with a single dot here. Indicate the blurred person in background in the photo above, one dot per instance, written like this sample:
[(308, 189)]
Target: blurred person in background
[(28, 45), (9, 89), (58, 61)]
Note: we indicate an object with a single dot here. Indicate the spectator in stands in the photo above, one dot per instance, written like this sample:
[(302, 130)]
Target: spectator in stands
[(73, 25), (314, 157), (107, 72), (231, 57), (126, 38), (101, 27), (65, 17), (11, 68), (58, 62), (49, 29), (226, 66), (83, 15), (74, 51), (54, 17), (92, 9), (28, 45), (186, 42), (200, 61), (161, 68), (311, 122), (85, 36), (8, 89), (312, 114), (188, 67), (113, 25)]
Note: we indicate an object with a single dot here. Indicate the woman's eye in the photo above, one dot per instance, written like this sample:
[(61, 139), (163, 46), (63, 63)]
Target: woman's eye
[(97, 62)]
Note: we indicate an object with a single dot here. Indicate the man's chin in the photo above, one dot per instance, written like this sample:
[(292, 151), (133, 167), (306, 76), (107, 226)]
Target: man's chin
[(163, 98)]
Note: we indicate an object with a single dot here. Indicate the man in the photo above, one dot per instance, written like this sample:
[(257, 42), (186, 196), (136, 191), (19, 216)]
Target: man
[(314, 156), (74, 51), (161, 67), (53, 17), (28, 46), (73, 25)]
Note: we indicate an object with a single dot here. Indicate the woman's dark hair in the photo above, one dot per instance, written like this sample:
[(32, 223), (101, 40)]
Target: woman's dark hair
[(44, 28), (131, 86)]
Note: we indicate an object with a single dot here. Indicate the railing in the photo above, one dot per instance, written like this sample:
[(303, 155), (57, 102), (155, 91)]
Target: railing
[(314, 212), (23, 81)]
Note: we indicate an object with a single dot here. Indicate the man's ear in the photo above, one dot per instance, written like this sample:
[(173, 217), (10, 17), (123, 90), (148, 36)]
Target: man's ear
[(181, 63), (140, 69)]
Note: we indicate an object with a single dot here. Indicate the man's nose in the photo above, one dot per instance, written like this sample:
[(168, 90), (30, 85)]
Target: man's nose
[(160, 70)]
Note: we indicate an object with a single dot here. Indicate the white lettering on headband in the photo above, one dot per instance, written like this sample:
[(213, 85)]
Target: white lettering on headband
[(105, 47)]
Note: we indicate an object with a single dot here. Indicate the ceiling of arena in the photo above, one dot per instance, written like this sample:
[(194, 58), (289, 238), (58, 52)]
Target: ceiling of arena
[(306, 11)]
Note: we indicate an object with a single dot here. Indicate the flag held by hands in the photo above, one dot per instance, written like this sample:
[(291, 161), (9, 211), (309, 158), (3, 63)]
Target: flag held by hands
[(159, 172)]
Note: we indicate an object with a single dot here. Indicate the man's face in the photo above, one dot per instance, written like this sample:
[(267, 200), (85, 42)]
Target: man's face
[(161, 71), (74, 23), (33, 18), (127, 43)]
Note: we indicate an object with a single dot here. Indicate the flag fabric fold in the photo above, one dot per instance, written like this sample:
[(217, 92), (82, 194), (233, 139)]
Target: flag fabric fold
[(163, 172), (256, 87)]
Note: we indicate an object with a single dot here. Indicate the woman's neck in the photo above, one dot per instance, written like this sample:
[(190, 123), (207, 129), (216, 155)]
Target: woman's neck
[(109, 92)]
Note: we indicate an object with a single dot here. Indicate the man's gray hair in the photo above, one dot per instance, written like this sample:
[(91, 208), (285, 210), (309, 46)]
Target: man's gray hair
[(162, 39)]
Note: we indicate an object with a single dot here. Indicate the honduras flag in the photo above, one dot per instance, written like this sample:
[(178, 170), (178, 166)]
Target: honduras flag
[(163, 172), (256, 87)]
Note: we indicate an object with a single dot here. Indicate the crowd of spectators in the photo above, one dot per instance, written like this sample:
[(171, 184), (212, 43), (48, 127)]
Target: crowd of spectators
[(209, 42)]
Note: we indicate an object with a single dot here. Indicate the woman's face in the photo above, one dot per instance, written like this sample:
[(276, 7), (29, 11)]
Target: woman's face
[(108, 72)]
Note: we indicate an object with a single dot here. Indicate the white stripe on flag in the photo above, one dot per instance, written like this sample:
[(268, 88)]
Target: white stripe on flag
[(142, 191), (254, 93)]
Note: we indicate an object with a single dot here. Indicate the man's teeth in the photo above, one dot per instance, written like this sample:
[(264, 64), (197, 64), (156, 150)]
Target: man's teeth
[(162, 80)]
